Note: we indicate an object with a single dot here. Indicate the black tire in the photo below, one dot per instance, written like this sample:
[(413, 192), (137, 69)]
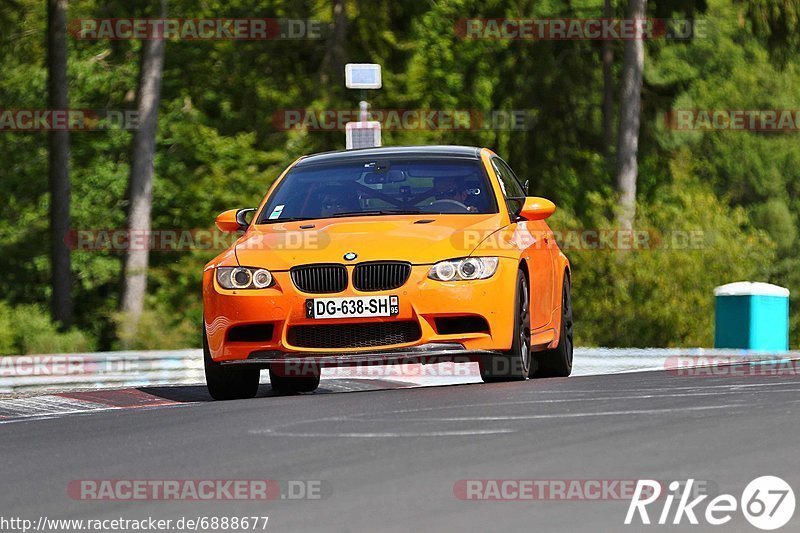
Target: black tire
[(557, 363), (229, 382), (513, 365), (292, 382)]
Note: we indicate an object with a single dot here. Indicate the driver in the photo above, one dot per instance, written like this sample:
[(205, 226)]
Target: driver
[(334, 199), (451, 194)]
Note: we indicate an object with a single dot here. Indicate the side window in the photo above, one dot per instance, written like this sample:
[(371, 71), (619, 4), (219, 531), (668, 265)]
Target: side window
[(512, 190)]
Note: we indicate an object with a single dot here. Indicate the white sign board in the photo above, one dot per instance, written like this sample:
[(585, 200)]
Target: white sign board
[(362, 76), (363, 134)]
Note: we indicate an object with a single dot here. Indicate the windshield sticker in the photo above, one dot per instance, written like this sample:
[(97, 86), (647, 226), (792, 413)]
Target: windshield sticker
[(276, 213)]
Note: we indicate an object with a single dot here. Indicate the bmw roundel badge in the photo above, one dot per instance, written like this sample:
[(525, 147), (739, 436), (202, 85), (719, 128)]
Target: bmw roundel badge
[(350, 256)]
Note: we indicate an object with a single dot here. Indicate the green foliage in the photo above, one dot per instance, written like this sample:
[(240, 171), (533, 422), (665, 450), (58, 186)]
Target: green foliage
[(778, 21), (159, 329), (662, 294), (776, 219), (27, 329)]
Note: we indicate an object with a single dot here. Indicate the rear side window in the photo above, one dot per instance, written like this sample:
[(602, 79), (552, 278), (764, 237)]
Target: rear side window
[(512, 190)]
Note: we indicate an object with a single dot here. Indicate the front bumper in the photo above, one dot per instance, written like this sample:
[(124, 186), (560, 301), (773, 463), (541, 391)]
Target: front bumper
[(422, 300)]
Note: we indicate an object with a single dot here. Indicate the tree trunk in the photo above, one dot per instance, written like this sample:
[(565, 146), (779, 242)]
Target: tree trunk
[(630, 105), (608, 88), (140, 183), (58, 98), (332, 68)]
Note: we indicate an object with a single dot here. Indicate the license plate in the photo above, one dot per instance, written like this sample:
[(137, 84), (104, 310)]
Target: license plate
[(355, 307)]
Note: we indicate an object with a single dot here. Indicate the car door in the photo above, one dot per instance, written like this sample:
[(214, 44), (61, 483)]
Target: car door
[(534, 239)]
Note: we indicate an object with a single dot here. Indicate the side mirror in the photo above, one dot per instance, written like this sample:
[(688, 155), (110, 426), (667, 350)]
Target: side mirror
[(233, 220), (536, 208)]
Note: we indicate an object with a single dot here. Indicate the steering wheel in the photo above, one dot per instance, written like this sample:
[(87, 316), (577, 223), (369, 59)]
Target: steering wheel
[(449, 206)]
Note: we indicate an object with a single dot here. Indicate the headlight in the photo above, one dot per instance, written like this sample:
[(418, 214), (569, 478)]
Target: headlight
[(262, 278), (465, 269), (243, 278)]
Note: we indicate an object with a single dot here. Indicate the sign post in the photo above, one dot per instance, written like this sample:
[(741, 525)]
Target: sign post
[(364, 133)]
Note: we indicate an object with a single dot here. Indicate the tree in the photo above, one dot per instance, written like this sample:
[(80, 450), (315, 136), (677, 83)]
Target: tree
[(336, 52), (630, 106), (777, 22), (607, 53), (58, 98), (140, 181)]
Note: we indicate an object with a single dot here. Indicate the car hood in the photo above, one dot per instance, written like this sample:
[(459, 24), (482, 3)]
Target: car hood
[(419, 239)]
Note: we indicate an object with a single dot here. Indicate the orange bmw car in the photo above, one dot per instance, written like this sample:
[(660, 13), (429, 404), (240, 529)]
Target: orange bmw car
[(382, 256)]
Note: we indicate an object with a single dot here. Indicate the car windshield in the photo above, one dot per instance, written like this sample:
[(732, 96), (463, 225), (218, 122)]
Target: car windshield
[(381, 187)]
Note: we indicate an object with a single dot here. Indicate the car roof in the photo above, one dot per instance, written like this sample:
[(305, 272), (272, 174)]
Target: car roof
[(469, 152)]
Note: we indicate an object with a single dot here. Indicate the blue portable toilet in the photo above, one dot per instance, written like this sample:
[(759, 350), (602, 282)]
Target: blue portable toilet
[(752, 316)]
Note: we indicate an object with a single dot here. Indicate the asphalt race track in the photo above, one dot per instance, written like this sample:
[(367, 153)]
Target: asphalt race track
[(389, 458)]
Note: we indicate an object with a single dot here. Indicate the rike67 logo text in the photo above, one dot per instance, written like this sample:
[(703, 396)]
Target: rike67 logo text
[(767, 503)]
